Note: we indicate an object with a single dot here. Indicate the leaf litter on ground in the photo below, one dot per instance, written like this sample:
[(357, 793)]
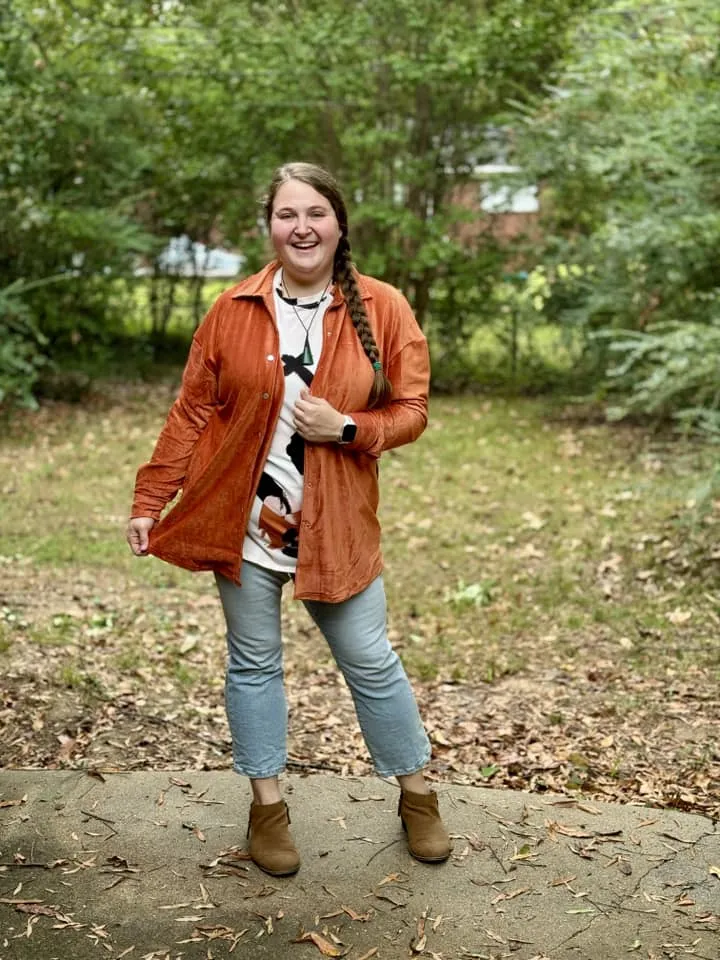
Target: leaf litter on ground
[(579, 673)]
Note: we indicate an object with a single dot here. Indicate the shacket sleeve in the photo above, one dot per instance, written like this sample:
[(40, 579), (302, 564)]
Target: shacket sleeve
[(159, 480), (407, 365)]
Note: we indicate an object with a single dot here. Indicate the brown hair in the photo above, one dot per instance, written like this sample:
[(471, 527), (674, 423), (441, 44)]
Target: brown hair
[(343, 274)]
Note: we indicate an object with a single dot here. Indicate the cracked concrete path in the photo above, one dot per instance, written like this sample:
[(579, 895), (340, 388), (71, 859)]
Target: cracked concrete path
[(149, 866)]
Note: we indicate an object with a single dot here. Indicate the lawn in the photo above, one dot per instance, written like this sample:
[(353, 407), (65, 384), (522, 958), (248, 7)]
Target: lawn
[(552, 591)]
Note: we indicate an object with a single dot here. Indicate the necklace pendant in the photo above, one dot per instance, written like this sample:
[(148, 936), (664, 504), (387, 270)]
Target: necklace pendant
[(307, 357)]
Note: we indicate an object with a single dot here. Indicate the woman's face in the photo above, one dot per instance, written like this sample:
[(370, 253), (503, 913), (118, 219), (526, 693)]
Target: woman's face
[(305, 233)]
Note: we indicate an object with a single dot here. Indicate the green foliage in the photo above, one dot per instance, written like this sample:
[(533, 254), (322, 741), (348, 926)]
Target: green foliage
[(628, 149), (670, 368), (477, 594), (71, 143), (22, 349), (125, 124)]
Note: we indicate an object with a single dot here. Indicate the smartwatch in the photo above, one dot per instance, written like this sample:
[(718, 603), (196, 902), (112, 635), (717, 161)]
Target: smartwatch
[(347, 435)]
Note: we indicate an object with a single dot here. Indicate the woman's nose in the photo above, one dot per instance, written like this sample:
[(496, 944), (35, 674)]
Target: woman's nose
[(302, 227)]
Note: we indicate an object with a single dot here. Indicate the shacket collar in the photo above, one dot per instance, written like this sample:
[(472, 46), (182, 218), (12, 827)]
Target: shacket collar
[(259, 285)]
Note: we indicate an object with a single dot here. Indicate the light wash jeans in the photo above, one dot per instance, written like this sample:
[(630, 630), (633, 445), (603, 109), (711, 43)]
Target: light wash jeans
[(356, 632)]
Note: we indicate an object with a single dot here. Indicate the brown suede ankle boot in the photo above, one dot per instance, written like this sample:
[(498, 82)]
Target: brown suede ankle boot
[(271, 846), (427, 838)]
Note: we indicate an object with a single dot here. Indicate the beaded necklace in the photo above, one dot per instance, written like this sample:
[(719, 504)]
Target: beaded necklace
[(307, 356)]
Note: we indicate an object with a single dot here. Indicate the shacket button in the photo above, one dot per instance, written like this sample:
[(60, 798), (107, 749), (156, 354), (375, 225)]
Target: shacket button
[(266, 396), (270, 357)]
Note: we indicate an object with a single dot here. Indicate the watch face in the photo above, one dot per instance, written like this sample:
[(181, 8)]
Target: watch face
[(349, 431)]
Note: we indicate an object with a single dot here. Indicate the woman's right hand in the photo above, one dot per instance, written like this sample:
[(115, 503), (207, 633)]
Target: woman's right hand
[(138, 534)]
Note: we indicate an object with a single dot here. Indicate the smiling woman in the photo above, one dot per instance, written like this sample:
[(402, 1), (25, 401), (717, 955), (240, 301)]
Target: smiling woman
[(297, 381), (305, 233)]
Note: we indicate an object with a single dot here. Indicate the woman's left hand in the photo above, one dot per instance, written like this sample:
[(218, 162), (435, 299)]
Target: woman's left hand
[(316, 420)]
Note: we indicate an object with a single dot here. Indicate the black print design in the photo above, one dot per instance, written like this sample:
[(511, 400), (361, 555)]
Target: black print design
[(277, 521), (269, 488), (295, 365), (296, 451)]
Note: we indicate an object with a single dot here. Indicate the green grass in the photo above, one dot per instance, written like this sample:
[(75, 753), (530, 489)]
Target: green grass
[(518, 525), (74, 677), (552, 595), (513, 536)]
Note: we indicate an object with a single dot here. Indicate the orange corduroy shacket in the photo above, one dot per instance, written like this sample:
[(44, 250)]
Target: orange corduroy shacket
[(218, 432)]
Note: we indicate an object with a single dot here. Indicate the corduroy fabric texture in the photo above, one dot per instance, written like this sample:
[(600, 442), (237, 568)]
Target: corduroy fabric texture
[(218, 433)]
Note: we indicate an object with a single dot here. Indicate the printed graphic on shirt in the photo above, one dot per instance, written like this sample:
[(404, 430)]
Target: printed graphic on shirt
[(276, 520), (273, 529)]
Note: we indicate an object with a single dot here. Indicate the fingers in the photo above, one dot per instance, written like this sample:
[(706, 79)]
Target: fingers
[(138, 535), (316, 420), (135, 541), (306, 413), (307, 402)]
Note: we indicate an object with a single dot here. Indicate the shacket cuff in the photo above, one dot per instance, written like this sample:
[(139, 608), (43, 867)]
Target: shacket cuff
[(142, 510), (368, 438)]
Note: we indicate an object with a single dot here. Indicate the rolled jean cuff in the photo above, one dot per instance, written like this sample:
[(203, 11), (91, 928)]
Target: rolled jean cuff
[(406, 771), (257, 775)]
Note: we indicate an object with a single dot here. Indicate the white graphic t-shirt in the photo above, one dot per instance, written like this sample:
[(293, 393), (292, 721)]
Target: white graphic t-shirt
[(271, 539)]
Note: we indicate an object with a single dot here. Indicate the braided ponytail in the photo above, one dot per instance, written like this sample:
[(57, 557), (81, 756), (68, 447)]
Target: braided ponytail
[(320, 180), (381, 390)]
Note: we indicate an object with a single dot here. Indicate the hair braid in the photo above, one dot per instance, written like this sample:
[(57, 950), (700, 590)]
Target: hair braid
[(381, 390)]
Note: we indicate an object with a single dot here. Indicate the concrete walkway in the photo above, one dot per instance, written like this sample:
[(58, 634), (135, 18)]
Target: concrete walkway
[(148, 866)]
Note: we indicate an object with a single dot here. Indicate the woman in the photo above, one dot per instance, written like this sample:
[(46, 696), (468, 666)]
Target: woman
[(297, 380)]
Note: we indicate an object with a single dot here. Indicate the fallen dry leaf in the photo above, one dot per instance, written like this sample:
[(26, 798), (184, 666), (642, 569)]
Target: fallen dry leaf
[(389, 896), (362, 917), (679, 616), (324, 946), (421, 939), (511, 895), (554, 828), (35, 908), (563, 881)]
